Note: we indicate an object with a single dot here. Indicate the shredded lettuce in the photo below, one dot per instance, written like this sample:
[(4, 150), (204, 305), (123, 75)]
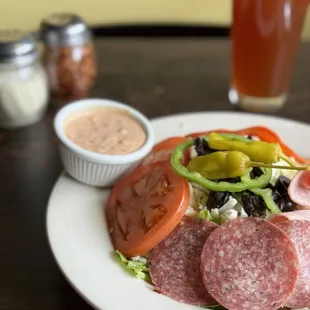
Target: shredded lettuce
[(198, 197), (285, 172), (138, 268), (206, 214)]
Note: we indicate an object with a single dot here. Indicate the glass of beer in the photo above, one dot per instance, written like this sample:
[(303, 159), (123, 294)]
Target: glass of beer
[(265, 38)]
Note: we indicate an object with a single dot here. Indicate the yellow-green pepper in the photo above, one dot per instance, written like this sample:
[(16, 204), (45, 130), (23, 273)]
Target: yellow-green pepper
[(220, 165), (258, 151), (246, 181)]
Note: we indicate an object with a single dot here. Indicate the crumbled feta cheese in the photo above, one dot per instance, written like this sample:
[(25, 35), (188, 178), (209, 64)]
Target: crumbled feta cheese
[(215, 213), (228, 205), (229, 215), (139, 258), (238, 207), (193, 152)]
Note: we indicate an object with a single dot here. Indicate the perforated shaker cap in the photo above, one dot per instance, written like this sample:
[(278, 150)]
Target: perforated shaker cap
[(64, 29), (17, 47)]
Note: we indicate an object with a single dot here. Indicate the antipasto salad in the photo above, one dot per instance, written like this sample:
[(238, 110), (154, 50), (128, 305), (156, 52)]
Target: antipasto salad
[(218, 219)]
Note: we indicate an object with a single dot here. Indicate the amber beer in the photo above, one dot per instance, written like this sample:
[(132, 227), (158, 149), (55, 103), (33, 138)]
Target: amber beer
[(265, 39)]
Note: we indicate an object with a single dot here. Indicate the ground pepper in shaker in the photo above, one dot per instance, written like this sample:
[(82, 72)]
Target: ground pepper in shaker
[(23, 82), (68, 57)]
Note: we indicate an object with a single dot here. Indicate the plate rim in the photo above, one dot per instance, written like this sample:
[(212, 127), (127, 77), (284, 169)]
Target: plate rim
[(56, 261), (240, 113), (156, 119)]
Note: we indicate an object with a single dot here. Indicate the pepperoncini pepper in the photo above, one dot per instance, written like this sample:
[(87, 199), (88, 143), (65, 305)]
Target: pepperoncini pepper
[(229, 164), (221, 165), (246, 181), (232, 165), (259, 151)]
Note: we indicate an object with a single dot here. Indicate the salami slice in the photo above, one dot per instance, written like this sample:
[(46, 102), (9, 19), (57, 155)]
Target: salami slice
[(299, 189), (290, 216), (175, 262), (249, 264), (299, 232)]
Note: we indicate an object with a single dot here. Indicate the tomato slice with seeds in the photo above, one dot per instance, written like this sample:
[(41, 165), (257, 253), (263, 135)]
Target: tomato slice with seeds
[(145, 206), (162, 151)]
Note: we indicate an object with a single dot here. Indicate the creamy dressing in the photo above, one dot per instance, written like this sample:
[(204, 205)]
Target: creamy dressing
[(106, 131)]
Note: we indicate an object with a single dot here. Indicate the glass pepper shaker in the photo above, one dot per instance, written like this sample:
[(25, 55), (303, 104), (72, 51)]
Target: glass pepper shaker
[(68, 57)]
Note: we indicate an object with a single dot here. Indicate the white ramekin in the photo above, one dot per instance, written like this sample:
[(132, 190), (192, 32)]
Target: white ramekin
[(92, 168)]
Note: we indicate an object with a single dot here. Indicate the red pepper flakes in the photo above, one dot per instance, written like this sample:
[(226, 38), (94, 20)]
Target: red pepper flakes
[(71, 71)]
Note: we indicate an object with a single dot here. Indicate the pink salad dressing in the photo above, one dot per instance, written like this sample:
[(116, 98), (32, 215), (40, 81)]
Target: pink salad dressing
[(106, 131)]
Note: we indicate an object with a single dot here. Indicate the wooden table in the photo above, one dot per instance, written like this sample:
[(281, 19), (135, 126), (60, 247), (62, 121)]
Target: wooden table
[(158, 77)]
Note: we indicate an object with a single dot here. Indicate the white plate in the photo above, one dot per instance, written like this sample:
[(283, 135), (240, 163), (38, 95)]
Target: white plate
[(77, 231)]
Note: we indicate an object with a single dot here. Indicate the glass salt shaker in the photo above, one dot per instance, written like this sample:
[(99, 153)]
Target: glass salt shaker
[(23, 82), (68, 57)]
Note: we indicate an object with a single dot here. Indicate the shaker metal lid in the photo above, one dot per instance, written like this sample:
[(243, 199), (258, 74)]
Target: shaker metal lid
[(17, 47), (64, 29)]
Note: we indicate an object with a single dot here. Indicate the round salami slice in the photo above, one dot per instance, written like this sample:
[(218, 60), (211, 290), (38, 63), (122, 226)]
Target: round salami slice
[(175, 262), (249, 263), (290, 216), (299, 232)]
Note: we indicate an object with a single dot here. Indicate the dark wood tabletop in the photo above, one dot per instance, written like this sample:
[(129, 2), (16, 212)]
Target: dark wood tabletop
[(158, 77)]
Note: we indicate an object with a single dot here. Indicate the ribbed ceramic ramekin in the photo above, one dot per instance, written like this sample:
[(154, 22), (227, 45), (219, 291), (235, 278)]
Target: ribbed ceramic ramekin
[(93, 168)]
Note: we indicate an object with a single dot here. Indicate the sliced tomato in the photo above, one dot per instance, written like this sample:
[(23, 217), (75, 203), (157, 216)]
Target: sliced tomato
[(145, 206), (162, 151)]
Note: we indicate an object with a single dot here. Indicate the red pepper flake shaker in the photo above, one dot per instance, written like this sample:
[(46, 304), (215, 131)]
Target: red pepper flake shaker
[(68, 57)]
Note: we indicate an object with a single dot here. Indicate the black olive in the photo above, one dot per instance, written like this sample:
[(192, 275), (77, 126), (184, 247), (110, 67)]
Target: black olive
[(275, 195), (282, 184), (280, 202), (269, 185), (256, 172), (217, 199), (285, 204), (289, 204), (230, 180), (253, 205), (248, 204), (202, 147), (234, 180), (259, 204)]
